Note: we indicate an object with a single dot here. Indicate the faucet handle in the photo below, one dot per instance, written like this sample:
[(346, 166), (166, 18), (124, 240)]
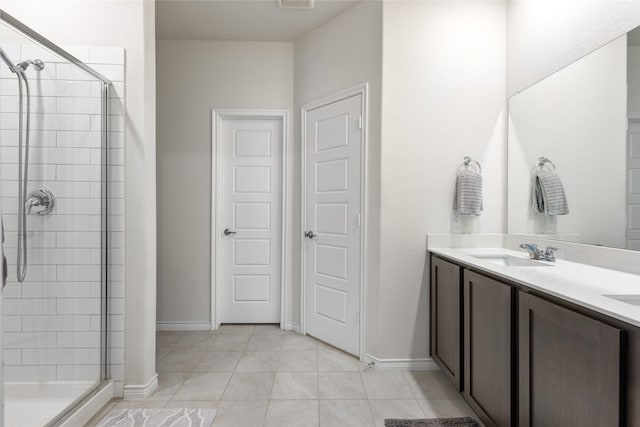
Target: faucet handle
[(529, 246), (32, 203), (532, 248), (550, 253)]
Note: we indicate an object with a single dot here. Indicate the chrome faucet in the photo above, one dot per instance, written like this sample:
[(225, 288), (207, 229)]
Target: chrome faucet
[(549, 254)]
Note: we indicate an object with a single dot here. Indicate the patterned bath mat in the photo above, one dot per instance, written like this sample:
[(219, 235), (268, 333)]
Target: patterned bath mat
[(432, 422), (158, 417)]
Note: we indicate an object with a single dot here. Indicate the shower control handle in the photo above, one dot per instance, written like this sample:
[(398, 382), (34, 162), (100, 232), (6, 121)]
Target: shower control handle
[(40, 202), (228, 232)]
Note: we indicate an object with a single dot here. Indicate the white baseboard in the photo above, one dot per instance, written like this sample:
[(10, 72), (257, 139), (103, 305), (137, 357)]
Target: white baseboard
[(425, 364), (183, 326), (293, 326), (141, 391)]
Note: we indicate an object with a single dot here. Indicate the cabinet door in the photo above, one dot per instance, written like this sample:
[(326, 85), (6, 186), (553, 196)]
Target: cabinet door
[(446, 313), (489, 348), (569, 367)]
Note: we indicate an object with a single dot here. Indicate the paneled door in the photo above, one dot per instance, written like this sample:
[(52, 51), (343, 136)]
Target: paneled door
[(250, 223), (333, 222)]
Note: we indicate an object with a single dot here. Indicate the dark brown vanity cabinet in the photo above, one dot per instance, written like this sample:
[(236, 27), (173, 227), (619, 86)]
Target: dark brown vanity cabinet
[(446, 319), (523, 358), (488, 348), (569, 367)]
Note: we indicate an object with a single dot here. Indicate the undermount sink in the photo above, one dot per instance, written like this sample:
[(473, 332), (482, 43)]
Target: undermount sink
[(627, 299), (511, 261)]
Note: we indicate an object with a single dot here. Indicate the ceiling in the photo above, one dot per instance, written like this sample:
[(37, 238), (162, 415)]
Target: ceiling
[(241, 20)]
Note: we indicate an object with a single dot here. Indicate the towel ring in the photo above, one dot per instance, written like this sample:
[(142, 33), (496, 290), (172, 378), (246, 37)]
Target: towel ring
[(543, 161), (468, 160)]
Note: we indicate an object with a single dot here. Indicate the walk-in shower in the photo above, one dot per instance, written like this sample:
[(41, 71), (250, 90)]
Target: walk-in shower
[(53, 194)]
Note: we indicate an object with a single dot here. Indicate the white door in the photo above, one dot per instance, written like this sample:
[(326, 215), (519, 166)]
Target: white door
[(250, 224), (332, 215), (633, 186)]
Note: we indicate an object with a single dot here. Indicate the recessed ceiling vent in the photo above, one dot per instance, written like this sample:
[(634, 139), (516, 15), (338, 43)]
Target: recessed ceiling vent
[(296, 4)]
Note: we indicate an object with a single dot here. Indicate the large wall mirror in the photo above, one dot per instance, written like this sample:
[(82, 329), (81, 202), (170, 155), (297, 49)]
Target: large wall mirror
[(574, 151)]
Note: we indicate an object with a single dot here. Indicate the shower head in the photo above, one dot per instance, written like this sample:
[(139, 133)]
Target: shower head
[(37, 64), (7, 61)]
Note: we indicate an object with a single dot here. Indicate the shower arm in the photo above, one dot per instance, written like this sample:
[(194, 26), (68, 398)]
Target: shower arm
[(37, 64)]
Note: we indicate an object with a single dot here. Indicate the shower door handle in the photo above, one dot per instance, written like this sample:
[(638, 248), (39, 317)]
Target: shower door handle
[(228, 232)]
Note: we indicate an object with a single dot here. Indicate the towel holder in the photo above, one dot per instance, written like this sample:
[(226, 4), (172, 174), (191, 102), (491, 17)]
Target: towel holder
[(543, 161), (468, 160)]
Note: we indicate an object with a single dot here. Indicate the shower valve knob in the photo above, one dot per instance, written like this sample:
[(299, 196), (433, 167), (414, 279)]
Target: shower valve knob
[(40, 202)]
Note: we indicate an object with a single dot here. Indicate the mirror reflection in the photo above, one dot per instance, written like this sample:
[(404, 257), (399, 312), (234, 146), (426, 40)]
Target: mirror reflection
[(574, 151)]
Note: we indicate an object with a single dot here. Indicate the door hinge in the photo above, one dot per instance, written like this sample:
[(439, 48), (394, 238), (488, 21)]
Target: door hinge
[(360, 122), (359, 220)]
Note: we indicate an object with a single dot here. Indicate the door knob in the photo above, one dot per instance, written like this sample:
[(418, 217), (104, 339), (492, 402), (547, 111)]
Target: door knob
[(309, 235), (228, 232)]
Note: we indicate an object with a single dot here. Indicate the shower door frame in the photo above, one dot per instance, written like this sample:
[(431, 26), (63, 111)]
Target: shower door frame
[(48, 44), (23, 29)]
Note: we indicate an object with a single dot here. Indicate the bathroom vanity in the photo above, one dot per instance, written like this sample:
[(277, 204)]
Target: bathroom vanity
[(532, 343)]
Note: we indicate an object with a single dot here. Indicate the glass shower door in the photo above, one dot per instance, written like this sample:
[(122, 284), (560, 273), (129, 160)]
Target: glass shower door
[(53, 193)]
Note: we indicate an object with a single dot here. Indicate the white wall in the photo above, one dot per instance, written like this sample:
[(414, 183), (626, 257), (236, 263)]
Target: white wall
[(577, 118), (129, 24), (546, 35), (341, 54), (443, 98), (194, 77)]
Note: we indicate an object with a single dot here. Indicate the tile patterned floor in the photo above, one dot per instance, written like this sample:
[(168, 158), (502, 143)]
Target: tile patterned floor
[(263, 376)]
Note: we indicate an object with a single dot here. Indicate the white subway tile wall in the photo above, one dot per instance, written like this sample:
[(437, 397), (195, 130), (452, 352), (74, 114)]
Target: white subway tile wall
[(51, 322)]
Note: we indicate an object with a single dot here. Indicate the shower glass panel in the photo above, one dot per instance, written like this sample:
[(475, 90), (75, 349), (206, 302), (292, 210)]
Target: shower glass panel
[(53, 200)]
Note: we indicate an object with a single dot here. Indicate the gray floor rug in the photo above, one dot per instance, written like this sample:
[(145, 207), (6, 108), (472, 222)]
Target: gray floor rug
[(432, 422), (158, 417)]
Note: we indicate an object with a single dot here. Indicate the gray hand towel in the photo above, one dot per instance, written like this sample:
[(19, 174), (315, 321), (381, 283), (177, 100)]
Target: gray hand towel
[(468, 199), (548, 194)]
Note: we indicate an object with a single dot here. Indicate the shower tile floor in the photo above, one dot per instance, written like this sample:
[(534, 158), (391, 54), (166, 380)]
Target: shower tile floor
[(263, 376)]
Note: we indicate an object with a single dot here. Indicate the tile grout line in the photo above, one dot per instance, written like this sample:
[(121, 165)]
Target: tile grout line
[(370, 403)]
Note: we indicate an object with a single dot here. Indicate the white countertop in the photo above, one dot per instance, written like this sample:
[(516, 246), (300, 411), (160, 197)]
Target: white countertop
[(581, 284)]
